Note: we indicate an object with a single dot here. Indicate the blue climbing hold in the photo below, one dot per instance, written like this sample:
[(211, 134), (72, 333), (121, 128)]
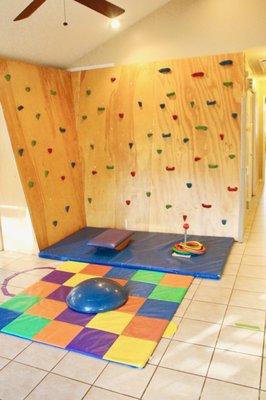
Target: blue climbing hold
[(97, 295)]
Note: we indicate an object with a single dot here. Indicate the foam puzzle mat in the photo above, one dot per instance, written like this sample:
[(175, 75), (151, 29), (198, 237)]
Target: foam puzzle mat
[(127, 335)]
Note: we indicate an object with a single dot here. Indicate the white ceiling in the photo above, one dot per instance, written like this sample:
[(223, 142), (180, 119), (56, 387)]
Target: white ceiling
[(43, 39)]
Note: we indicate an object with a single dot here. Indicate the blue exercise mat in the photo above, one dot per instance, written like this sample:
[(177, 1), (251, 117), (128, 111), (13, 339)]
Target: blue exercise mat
[(147, 250)]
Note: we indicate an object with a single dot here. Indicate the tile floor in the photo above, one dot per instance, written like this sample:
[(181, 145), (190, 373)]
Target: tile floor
[(217, 353)]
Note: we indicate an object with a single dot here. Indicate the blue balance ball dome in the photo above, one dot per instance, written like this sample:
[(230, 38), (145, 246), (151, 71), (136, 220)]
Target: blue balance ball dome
[(97, 295)]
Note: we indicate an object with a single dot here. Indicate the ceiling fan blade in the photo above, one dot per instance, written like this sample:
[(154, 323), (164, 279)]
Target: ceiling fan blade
[(103, 7), (33, 6)]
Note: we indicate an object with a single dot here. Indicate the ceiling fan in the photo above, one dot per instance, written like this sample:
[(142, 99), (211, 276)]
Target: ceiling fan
[(101, 6)]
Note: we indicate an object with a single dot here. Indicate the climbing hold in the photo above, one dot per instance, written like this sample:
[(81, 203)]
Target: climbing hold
[(197, 158), (189, 185), (46, 173), (63, 177), (159, 151), (92, 146), (165, 70), (121, 115), (166, 135), (148, 194), (150, 134), (33, 143), (224, 221), (7, 77), (231, 156), (20, 108), (228, 84), (174, 117), (130, 145), (184, 218), (167, 206), (197, 74), (226, 62), (62, 130), (206, 205), (140, 104), (221, 136), (113, 79), (192, 104), (213, 166), (67, 208), (21, 152), (170, 94), (133, 173), (50, 150), (186, 140), (110, 167), (94, 172), (232, 189), (162, 105), (27, 89), (101, 109), (234, 115), (53, 92), (38, 116), (170, 168), (211, 102), (30, 184), (55, 223), (128, 202), (73, 164), (89, 200), (84, 117), (88, 92), (201, 127)]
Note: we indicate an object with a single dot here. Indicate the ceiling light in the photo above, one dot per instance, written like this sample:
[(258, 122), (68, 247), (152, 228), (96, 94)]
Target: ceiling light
[(115, 24)]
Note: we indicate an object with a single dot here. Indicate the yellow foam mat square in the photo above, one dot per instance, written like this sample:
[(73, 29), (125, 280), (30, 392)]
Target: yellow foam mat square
[(170, 330), (71, 266), (111, 321), (132, 351), (76, 279)]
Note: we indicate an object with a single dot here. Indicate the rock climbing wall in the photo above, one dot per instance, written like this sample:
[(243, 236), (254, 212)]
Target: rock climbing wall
[(161, 141), (39, 112)]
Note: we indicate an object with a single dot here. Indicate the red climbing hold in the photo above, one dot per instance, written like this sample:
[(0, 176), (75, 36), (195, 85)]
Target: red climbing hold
[(232, 189), (184, 217), (170, 168), (121, 115), (206, 205), (222, 136), (186, 226), (133, 173), (128, 202), (94, 172), (113, 79), (197, 74), (197, 158), (50, 150), (174, 117)]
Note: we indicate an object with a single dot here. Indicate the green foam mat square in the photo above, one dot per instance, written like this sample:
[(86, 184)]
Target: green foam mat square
[(147, 276), (26, 326), (167, 293), (21, 302)]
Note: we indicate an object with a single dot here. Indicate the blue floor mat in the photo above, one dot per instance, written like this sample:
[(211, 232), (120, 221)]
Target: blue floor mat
[(148, 250)]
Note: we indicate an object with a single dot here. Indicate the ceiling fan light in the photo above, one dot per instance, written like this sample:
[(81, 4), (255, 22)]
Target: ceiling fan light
[(115, 23)]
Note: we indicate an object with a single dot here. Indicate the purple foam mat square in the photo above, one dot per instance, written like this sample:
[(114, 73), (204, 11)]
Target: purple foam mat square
[(92, 341), (73, 317), (60, 294), (59, 277)]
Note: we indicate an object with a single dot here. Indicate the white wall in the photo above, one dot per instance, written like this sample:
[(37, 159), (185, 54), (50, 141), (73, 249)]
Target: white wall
[(186, 28), (17, 231)]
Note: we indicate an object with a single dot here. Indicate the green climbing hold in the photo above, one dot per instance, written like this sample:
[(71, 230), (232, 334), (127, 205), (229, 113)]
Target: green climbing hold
[(232, 156), (101, 109), (84, 117), (110, 167), (38, 116), (27, 89), (168, 206), (201, 127), (148, 194), (92, 146), (46, 173), (33, 142), (89, 200), (55, 223), (170, 94), (7, 77), (21, 152), (20, 108), (73, 164), (186, 140), (62, 130), (228, 84), (149, 134), (224, 221), (159, 151), (166, 135), (53, 92), (88, 92), (30, 184), (192, 104), (213, 166), (67, 208)]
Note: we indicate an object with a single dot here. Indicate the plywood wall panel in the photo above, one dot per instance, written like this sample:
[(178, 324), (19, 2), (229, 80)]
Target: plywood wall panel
[(45, 143), (167, 183)]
